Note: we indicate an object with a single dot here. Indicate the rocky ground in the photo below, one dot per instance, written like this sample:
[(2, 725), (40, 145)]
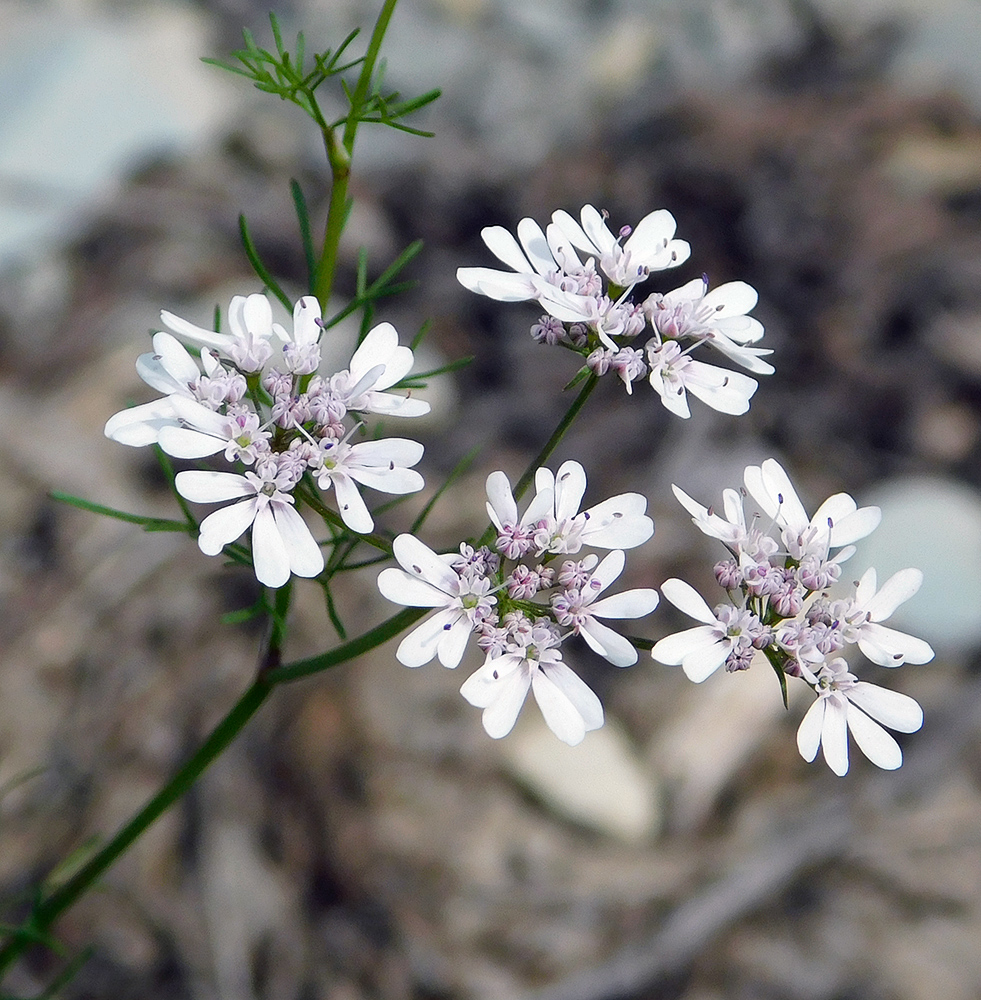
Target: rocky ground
[(364, 838)]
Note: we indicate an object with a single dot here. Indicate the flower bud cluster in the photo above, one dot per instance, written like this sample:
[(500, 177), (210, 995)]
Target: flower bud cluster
[(255, 397), (521, 602), (777, 580), (585, 278)]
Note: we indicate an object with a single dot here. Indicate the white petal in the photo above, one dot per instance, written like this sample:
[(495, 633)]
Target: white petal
[(501, 285), (649, 235), (536, 246), (500, 501), (212, 487), (500, 716), (141, 425), (854, 526), (482, 687), (628, 604), (570, 485), (892, 708), (687, 599), (196, 334), (619, 522), (453, 644), (397, 481), (505, 248), (420, 560), (700, 664), (735, 297), (834, 737), (569, 707), (730, 395), (391, 404), (257, 314), (269, 555), (404, 588), (305, 555), (673, 649), (351, 506), (809, 731), (898, 588), (891, 648), (596, 229), (224, 526), (610, 645), (419, 646), (382, 453), (572, 231), (306, 313), (873, 740), (183, 442), (381, 347), (610, 567)]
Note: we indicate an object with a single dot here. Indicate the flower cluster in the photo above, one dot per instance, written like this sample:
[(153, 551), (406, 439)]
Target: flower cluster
[(779, 579), (522, 600), (254, 396), (590, 306)]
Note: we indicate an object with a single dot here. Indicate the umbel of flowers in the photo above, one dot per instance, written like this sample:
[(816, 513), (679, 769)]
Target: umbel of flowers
[(585, 277), (783, 599), (523, 597), (255, 397)]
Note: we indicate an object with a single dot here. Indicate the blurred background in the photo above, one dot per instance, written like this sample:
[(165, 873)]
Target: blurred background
[(363, 838)]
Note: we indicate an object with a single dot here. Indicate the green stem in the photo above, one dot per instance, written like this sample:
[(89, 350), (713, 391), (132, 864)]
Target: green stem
[(339, 156), (543, 456), (66, 894)]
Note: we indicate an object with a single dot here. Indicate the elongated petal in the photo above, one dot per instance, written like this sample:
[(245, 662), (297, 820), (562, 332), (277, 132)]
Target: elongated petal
[(482, 687), (169, 368), (610, 645), (453, 644), (257, 315), (351, 506), (141, 425), (673, 649), (269, 555), (898, 588), (223, 526), (419, 646), (305, 556), (306, 317), (701, 663), (687, 599), (619, 522), (500, 501), (809, 731), (891, 648), (573, 232), (628, 604), (500, 716), (381, 347), (873, 740), (731, 394), (734, 298), (391, 404), (505, 248), (569, 706), (610, 567), (834, 737), (196, 334), (501, 285), (854, 526), (404, 588), (892, 708), (570, 485), (536, 246), (596, 229), (183, 442), (398, 481), (418, 559), (212, 487), (649, 235), (382, 453)]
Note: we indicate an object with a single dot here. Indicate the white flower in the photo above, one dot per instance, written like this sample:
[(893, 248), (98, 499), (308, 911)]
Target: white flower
[(885, 646), (846, 704), (385, 465), (501, 685), (650, 246), (378, 364), (516, 535), (700, 651), (427, 580), (618, 523), (674, 374), (542, 271), (301, 350), (718, 318), (839, 521), (199, 431), (281, 541), (248, 344), (580, 608)]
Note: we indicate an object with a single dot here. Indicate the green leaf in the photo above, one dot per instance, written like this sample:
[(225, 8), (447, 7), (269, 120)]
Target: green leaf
[(303, 218), (260, 268), (148, 523)]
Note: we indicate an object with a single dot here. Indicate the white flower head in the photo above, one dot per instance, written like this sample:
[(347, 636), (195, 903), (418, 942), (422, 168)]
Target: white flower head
[(649, 246), (580, 607), (301, 347), (845, 704), (534, 662), (281, 541), (427, 580)]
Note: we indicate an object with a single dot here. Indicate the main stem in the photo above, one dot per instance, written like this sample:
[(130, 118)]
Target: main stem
[(339, 154)]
